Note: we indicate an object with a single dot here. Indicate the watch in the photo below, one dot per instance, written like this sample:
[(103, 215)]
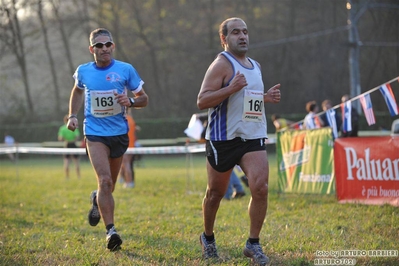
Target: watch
[(131, 102)]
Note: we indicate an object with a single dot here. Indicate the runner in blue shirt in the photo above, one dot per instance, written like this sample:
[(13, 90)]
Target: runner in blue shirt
[(103, 86)]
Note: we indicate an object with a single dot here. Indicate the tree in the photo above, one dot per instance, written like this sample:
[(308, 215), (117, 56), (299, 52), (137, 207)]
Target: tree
[(301, 44), (12, 37), (56, 5), (49, 55)]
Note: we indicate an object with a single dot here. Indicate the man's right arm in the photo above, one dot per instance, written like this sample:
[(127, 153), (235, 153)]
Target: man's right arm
[(213, 90), (75, 102)]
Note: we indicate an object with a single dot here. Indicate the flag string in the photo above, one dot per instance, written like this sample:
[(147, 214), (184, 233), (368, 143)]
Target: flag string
[(352, 99)]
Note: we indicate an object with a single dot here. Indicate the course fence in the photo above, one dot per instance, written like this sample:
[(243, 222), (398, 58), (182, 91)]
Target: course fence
[(139, 150)]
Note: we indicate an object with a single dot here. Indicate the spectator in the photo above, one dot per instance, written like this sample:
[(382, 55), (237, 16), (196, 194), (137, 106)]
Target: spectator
[(9, 141), (69, 138), (311, 120), (235, 190), (330, 118), (354, 119), (281, 123), (127, 169)]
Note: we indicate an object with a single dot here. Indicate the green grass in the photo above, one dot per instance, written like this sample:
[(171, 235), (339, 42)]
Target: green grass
[(43, 219)]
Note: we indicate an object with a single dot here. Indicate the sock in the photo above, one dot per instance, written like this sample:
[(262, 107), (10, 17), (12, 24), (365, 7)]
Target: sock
[(253, 240), (210, 238), (108, 227)]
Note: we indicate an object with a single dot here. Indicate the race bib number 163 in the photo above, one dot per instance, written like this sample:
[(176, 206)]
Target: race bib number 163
[(103, 104)]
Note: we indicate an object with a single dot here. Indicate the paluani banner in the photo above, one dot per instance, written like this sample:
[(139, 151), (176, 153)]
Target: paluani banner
[(367, 170), (305, 160)]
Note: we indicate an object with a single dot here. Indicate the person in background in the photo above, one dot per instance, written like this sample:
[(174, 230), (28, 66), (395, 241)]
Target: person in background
[(281, 123), (241, 173), (235, 190), (330, 117), (103, 87), (233, 92), (354, 115), (127, 169), (9, 141), (311, 120), (69, 138)]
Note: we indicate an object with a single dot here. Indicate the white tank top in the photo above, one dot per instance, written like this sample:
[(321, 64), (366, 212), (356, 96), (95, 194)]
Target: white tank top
[(242, 114)]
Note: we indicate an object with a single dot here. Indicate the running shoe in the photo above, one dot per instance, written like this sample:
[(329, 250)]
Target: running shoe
[(94, 214), (254, 251), (114, 240), (238, 195), (208, 249)]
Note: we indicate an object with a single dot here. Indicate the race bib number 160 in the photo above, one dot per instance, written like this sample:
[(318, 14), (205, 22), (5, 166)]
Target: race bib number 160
[(103, 104), (253, 106)]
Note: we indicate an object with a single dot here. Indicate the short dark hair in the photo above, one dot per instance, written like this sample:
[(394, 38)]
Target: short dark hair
[(97, 32), (310, 106)]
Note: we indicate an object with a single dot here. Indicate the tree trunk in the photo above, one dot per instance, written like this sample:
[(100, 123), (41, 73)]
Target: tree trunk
[(57, 106), (12, 38), (64, 36)]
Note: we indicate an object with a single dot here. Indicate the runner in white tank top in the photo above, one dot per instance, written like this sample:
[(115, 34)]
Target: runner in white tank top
[(233, 92), (242, 114)]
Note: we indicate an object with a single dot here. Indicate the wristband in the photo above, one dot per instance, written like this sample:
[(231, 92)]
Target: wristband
[(72, 116), (131, 100)]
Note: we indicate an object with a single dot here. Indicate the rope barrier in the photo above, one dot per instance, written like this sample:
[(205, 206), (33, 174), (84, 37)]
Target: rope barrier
[(182, 149), (80, 151)]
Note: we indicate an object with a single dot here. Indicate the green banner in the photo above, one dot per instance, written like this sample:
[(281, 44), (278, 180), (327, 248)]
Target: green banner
[(306, 161)]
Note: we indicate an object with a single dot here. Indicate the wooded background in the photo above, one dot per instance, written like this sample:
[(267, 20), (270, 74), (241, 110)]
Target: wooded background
[(302, 44)]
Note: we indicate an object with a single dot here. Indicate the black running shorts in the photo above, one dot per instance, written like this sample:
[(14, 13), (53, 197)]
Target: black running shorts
[(116, 144), (224, 155), (70, 145)]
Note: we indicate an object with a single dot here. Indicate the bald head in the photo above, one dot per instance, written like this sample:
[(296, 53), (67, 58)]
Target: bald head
[(224, 28)]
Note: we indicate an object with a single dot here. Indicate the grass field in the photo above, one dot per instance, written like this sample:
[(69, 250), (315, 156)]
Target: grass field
[(43, 219)]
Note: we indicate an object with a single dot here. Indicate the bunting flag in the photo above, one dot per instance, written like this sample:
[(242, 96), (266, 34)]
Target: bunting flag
[(317, 122), (389, 97), (346, 109), (332, 122), (365, 100), (298, 126)]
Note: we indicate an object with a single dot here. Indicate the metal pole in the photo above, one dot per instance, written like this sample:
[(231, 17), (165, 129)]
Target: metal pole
[(354, 43)]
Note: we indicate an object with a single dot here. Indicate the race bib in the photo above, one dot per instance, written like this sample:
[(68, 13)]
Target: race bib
[(103, 104), (253, 106)]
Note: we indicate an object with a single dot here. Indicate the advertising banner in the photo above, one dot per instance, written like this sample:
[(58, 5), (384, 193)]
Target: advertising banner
[(367, 170), (305, 160)]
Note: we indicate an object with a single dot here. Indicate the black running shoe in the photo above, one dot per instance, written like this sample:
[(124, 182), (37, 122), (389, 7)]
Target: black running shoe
[(94, 214), (244, 179), (114, 240)]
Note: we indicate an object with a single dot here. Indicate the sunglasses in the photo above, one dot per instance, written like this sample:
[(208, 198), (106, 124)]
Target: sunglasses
[(101, 44)]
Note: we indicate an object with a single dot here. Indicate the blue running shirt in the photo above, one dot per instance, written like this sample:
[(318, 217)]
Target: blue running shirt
[(103, 115)]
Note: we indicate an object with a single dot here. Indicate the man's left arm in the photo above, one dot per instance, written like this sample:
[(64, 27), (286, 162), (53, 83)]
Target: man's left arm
[(273, 95), (140, 99)]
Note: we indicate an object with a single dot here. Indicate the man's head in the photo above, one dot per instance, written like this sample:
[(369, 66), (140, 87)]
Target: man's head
[(311, 106), (101, 46), (326, 104), (99, 32), (233, 35), (345, 98)]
